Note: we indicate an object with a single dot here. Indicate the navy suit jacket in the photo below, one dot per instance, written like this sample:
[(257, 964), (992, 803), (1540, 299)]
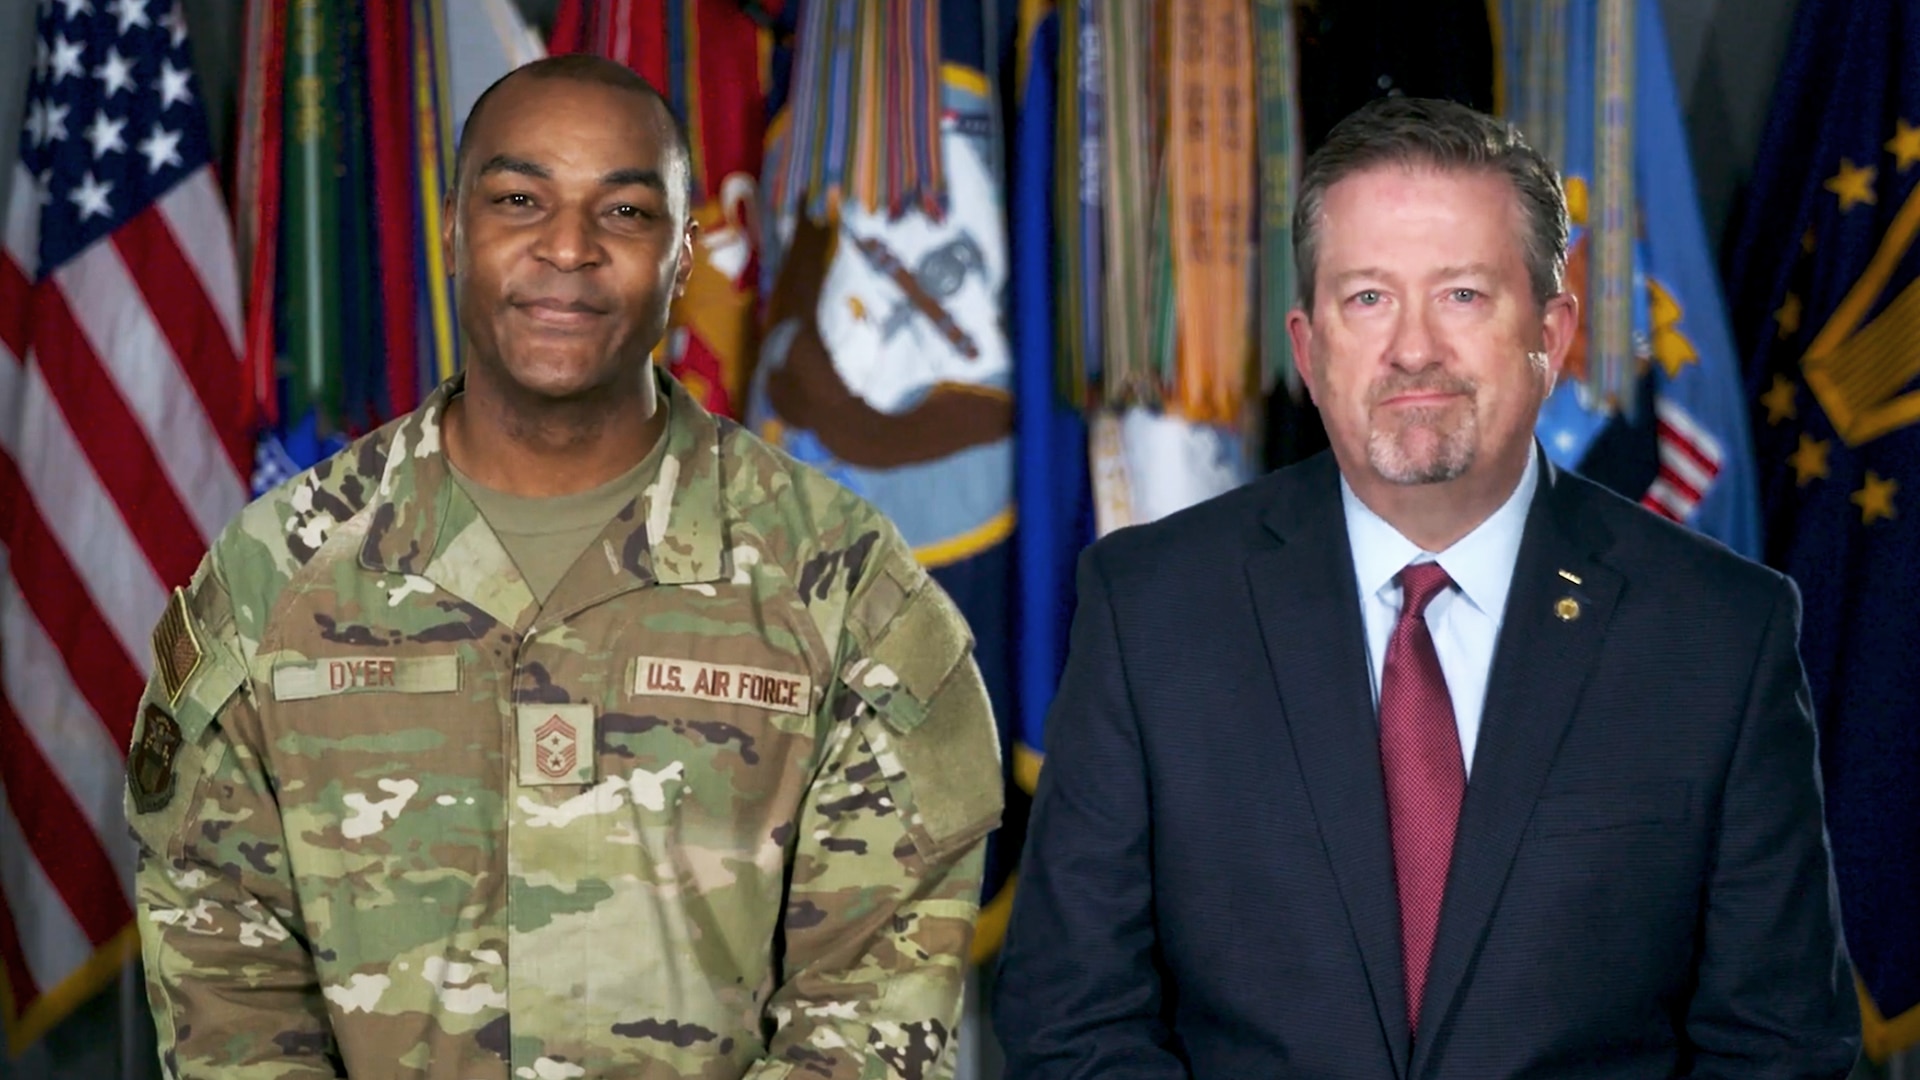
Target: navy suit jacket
[(1640, 884)]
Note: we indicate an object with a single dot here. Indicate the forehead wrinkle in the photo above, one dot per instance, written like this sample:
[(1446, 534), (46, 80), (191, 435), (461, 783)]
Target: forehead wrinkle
[(517, 165)]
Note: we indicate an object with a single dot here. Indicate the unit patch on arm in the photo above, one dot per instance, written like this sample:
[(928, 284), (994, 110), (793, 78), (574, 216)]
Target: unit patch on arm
[(150, 766)]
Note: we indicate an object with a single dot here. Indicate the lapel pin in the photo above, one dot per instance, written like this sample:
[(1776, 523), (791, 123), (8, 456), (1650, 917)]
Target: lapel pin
[(1567, 608), (1571, 576)]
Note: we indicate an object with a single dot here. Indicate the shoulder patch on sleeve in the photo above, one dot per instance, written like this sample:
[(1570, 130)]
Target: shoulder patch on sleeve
[(195, 674), (150, 764), (177, 653)]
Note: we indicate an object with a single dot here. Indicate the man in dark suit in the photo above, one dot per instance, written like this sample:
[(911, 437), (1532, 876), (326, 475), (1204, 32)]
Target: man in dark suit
[(1422, 759)]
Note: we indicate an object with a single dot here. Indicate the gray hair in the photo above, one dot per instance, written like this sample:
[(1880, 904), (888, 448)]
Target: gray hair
[(1443, 135)]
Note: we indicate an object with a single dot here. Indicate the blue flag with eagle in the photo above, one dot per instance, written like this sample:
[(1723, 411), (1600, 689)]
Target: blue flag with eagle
[(1824, 280)]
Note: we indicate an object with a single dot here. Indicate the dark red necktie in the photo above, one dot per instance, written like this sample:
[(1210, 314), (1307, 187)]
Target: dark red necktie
[(1420, 758)]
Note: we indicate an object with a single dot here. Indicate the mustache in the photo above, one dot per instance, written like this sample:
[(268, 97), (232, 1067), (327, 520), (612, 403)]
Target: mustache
[(1425, 382)]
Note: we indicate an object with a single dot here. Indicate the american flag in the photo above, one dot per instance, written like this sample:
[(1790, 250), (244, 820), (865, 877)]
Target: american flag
[(124, 448), (1690, 460)]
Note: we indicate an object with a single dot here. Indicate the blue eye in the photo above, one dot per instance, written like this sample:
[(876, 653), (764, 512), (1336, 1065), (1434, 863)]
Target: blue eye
[(1466, 296), (1367, 297)]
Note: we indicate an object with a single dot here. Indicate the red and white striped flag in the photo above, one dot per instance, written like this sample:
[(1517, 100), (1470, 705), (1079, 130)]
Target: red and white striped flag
[(124, 447), (1690, 459)]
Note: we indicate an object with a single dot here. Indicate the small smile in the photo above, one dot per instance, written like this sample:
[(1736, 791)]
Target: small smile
[(1418, 398), (558, 313)]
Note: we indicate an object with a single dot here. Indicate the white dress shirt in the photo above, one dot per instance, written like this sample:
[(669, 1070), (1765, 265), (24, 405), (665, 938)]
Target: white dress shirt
[(1464, 619)]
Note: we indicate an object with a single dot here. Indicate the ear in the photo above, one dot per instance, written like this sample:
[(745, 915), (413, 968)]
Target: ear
[(1559, 325), (684, 269), (1300, 332), (449, 226)]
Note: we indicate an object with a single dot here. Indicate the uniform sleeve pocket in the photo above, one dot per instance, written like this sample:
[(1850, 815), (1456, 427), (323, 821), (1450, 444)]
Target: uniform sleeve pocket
[(952, 762), (912, 658), (937, 742)]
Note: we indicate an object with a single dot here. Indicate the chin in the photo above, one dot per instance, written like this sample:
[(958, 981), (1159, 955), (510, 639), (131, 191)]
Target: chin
[(550, 378), (561, 376), (1422, 457)]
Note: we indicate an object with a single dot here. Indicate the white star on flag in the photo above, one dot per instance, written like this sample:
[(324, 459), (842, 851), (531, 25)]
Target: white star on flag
[(176, 25), (66, 58), (91, 197), (161, 148), (104, 134), (77, 8), (54, 122), (172, 85), (115, 73), (131, 13)]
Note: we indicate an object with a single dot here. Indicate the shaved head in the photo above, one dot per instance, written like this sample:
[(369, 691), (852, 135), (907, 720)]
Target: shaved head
[(581, 68)]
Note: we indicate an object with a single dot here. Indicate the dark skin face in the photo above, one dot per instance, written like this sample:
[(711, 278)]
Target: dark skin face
[(569, 238)]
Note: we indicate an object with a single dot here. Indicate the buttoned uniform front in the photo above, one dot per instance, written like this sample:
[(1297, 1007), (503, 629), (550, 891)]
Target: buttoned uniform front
[(715, 809)]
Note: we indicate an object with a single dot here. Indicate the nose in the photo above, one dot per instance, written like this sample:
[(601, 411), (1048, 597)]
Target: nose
[(570, 240), (1413, 346)]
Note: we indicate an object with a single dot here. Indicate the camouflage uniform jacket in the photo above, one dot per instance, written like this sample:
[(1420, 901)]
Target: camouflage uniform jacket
[(716, 810)]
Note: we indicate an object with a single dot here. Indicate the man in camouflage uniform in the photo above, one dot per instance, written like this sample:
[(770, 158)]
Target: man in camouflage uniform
[(559, 728)]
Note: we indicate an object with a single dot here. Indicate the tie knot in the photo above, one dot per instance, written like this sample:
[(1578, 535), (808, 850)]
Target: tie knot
[(1419, 584)]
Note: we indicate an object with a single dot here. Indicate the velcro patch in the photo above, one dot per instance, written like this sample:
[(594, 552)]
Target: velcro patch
[(952, 761), (912, 658), (299, 681), (925, 642), (556, 744), (176, 649), (662, 676), (150, 767)]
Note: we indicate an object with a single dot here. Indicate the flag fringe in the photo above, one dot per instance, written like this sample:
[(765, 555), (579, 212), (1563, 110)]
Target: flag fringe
[(96, 973)]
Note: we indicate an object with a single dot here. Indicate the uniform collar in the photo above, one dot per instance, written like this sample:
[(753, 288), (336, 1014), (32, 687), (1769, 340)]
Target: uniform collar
[(673, 533)]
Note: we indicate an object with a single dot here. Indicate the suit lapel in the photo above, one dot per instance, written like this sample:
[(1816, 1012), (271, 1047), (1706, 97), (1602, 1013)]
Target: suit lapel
[(1307, 603), (1546, 649)]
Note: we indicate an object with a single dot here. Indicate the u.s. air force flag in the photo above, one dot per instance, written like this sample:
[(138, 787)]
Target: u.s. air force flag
[(1684, 453), (1824, 282)]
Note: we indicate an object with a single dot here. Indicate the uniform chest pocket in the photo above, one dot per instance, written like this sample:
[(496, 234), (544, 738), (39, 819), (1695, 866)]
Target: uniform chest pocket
[(743, 720), (377, 753), (757, 688), (740, 734), (307, 680)]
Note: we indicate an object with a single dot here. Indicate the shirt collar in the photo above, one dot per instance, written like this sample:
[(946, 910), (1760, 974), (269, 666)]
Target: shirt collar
[(1480, 563)]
